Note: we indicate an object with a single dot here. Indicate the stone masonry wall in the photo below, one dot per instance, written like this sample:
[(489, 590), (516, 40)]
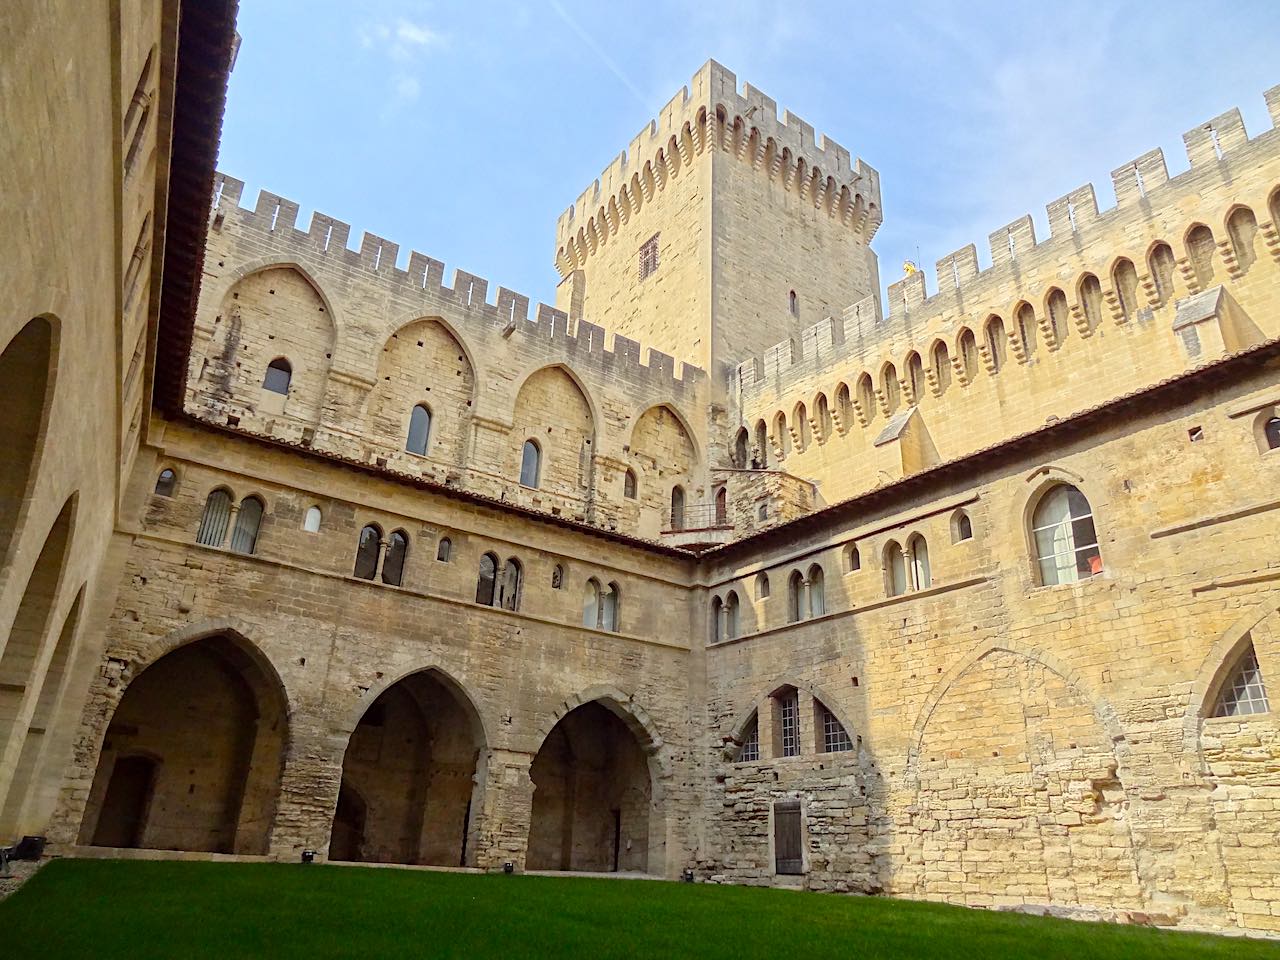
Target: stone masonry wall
[(1019, 742)]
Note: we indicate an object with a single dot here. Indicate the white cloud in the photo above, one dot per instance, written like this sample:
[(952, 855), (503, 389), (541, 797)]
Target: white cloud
[(403, 44)]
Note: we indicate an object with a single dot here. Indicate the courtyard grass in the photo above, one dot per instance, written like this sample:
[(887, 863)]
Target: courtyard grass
[(137, 909)]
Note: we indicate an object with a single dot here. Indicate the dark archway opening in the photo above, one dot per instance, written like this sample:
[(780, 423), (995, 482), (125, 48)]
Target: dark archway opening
[(408, 777), (212, 723), (592, 793)]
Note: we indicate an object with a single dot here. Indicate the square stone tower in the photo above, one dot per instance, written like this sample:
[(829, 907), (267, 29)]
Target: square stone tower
[(721, 231)]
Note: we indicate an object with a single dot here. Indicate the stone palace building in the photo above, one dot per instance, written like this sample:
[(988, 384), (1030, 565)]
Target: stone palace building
[(718, 564)]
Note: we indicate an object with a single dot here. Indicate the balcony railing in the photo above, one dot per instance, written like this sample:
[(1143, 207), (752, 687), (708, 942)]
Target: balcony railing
[(698, 516)]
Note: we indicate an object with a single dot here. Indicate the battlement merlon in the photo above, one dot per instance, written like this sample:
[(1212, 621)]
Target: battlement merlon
[(324, 244), (1218, 143), (681, 126)]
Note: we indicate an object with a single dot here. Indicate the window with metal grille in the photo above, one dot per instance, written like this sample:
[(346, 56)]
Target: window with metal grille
[(787, 853), (835, 739), (217, 516), (789, 723), (1244, 692), (649, 257), (750, 750)]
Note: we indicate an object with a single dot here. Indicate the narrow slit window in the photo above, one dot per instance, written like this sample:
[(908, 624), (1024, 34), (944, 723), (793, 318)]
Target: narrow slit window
[(393, 562)]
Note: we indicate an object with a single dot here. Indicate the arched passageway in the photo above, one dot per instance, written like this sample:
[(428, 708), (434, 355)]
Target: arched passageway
[(592, 794), (193, 755), (408, 777)]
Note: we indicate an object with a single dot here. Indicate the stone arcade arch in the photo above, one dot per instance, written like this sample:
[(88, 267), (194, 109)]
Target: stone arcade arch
[(1018, 791), (595, 800), (409, 777), (193, 756), (271, 311), (23, 656), (26, 370)]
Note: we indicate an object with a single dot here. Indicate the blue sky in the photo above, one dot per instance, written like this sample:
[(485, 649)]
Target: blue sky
[(464, 129)]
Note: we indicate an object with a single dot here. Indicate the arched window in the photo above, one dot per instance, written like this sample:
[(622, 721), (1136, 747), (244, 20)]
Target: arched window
[(217, 515), (852, 559), (166, 482), (781, 436), (795, 596), (1242, 228), (1243, 692), (722, 506), (1091, 300), (895, 569), (1026, 317), (741, 458), (419, 429), (717, 619), (997, 342), (1272, 432), (762, 445), (817, 594), (244, 538), (1066, 542), (835, 739), (557, 577), (1124, 277), (889, 383), (1161, 263), (844, 405), (762, 586), (942, 366), (530, 464), (610, 607), (793, 304), (800, 417), (367, 552), (629, 484), (486, 584), (677, 508), (921, 575), (591, 604), (393, 562), (1200, 252), (961, 527), (444, 550), (968, 348), (731, 615), (823, 418), (915, 376), (279, 373), (311, 522), (509, 589), (1059, 315), (867, 396)]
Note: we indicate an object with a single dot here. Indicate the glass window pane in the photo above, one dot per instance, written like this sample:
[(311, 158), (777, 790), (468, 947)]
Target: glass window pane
[(367, 552), (419, 430), (529, 464), (484, 583), (591, 605), (245, 536), (393, 562), (312, 523)]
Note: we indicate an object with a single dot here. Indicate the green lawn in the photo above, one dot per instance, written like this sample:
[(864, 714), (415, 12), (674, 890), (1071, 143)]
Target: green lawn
[(104, 909)]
